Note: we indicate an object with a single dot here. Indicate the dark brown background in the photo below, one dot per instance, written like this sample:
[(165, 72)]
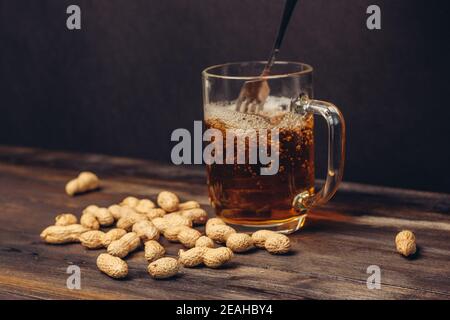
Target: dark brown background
[(132, 75)]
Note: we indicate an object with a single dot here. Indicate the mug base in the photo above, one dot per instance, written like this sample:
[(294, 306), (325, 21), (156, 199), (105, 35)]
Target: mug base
[(286, 226)]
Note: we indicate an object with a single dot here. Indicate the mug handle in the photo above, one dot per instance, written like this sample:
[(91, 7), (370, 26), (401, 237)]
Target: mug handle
[(336, 150)]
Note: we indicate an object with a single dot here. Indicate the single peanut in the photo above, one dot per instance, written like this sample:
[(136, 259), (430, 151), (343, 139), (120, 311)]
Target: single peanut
[(219, 233), (129, 219), (172, 215), (405, 242), (131, 202), (120, 211), (155, 213), (112, 235), (160, 223), (89, 220), (103, 215), (112, 266), (122, 247), (214, 221), (63, 234), (406, 247), (239, 242), (65, 219), (188, 237), (171, 232), (188, 205), (259, 237), (196, 215), (214, 258), (168, 201), (85, 181), (204, 241), (144, 206), (90, 209), (146, 230), (153, 250), (177, 220), (163, 268), (115, 211), (405, 235), (92, 239), (277, 244), (139, 205), (192, 257)]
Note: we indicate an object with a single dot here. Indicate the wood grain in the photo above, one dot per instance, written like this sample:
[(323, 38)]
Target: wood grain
[(331, 254)]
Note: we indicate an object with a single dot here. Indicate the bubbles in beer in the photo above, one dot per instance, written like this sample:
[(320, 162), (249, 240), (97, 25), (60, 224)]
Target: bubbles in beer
[(239, 192), (273, 116)]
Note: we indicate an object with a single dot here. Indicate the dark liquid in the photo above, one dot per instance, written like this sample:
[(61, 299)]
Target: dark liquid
[(240, 194)]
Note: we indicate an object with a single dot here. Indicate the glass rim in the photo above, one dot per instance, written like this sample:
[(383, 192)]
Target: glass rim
[(307, 70)]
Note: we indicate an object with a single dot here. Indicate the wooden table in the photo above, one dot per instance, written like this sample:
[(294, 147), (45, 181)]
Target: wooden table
[(329, 260)]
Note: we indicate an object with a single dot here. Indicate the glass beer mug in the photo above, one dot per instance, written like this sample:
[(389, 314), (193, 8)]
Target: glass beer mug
[(239, 191)]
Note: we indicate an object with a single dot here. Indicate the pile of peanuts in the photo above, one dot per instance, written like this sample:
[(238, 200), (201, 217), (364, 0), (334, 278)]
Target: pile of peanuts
[(139, 223)]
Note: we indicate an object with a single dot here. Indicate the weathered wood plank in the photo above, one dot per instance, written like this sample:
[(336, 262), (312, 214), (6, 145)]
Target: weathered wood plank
[(330, 258)]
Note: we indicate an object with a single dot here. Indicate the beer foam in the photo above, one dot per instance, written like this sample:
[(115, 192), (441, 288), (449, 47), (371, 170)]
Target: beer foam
[(275, 115)]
